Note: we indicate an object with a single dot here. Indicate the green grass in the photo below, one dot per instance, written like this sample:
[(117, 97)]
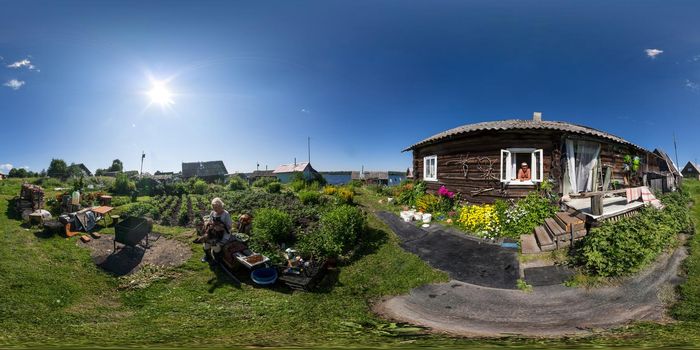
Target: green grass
[(52, 294)]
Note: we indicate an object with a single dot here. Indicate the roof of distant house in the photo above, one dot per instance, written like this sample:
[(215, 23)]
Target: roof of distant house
[(204, 169), (291, 168), (671, 165), (519, 124), (695, 166)]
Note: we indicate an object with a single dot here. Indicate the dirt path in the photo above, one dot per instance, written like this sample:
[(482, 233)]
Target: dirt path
[(470, 310), (464, 259)]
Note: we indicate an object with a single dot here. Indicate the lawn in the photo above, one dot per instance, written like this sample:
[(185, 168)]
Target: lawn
[(52, 294)]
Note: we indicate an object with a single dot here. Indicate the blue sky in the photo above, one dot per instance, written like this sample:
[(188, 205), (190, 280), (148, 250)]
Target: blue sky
[(364, 79)]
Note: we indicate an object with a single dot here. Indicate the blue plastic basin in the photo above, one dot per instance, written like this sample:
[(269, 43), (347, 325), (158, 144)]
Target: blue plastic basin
[(264, 276)]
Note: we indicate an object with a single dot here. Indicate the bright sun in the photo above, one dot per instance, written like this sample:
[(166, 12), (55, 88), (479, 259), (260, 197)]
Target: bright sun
[(160, 94)]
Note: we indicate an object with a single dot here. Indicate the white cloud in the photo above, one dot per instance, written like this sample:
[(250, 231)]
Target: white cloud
[(653, 52), (5, 168), (23, 63), (14, 84), (693, 86), (305, 110)]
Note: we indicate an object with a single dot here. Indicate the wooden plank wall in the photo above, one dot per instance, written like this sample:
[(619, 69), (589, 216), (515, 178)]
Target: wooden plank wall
[(482, 152)]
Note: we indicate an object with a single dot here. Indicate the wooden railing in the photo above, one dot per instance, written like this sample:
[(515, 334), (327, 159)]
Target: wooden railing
[(597, 199)]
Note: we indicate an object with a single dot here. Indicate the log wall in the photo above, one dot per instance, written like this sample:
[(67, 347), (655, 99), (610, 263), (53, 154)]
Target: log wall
[(481, 152)]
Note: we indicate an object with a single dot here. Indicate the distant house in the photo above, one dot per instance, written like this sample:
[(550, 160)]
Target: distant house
[(691, 171), (668, 178), (257, 174), (3, 176), (336, 177), (389, 178), (84, 169), (208, 171), (285, 172)]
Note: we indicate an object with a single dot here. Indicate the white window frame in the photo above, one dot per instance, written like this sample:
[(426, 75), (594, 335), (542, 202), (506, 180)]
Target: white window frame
[(537, 172), (425, 168)]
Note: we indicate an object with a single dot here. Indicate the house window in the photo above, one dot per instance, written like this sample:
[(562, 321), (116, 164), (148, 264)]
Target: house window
[(430, 168), (512, 160)]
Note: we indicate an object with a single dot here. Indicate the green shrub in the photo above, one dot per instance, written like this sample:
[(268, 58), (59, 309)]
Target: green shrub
[(410, 192), (236, 183), (309, 196), (274, 187), (345, 195), (523, 216), (264, 181), (622, 247), (200, 187), (337, 233), (297, 185), (271, 227), (122, 185)]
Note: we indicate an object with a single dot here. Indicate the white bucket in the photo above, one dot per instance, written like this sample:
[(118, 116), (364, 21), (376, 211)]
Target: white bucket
[(418, 216), (427, 218), (406, 216)]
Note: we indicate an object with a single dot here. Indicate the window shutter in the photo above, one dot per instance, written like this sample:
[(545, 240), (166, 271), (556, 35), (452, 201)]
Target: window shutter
[(505, 165), (537, 165)]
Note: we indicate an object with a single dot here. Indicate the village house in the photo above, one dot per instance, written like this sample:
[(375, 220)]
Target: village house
[(691, 171), (482, 161), (285, 172), (388, 178), (209, 171)]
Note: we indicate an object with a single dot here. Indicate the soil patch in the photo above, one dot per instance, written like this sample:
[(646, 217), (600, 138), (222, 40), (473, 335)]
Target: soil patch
[(127, 260)]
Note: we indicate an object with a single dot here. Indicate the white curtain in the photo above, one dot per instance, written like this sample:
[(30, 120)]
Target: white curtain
[(571, 162), (587, 159)]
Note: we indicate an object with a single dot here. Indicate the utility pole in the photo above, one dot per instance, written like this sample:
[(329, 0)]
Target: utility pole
[(308, 145), (675, 147), (143, 155)]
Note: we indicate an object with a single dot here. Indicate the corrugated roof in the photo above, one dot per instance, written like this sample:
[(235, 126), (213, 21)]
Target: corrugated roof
[(204, 169), (519, 124), (669, 162), (291, 168)]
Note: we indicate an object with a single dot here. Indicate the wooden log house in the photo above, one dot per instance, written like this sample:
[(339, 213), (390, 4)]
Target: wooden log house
[(481, 160)]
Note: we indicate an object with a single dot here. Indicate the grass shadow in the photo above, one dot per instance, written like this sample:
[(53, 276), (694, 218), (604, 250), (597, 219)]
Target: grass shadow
[(11, 211)]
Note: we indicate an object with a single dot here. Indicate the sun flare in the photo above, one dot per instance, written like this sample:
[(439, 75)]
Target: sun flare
[(160, 95)]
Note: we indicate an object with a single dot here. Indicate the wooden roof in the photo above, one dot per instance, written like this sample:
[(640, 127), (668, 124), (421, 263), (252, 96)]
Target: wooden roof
[(519, 124), (204, 169)]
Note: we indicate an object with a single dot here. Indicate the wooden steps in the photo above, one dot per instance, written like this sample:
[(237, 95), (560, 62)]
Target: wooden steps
[(555, 233)]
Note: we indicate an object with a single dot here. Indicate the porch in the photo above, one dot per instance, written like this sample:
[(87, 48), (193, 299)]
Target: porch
[(612, 207)]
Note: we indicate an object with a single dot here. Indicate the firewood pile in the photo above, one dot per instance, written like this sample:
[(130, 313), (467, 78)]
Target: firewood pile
[(30, 197)]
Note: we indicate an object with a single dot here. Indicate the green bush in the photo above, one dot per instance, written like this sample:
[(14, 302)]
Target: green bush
[(274, 187), (410, 192), (297, 185), (264, 181), (237, 183), (345, 195), (622, 247), (523, 216), (122, 185), (200, 187), (337, 233), (271, 227), (309, 196)]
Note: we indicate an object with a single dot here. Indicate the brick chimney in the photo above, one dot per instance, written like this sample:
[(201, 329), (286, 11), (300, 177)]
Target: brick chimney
[(537, 116)]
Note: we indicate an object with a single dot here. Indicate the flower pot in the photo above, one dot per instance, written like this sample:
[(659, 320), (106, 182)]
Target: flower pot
[(427, 218), (418, 216)]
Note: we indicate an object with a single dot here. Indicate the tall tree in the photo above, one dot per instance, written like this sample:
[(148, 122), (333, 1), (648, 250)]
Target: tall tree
[(57, 168), (116, 165)]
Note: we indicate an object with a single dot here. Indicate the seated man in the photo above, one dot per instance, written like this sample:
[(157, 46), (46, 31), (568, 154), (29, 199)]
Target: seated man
[(524, 172)]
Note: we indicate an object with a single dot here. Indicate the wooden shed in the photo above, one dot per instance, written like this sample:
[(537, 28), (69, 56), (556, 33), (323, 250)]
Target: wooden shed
[(482, 160), (691, 171)]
